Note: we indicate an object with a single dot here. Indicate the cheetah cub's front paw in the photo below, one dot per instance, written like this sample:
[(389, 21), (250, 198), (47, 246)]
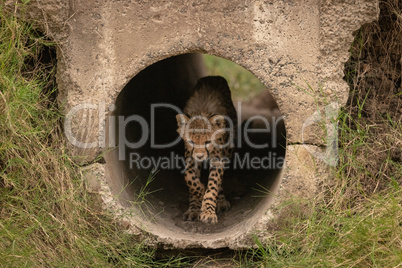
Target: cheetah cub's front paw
[(191, 214), (208, 217)]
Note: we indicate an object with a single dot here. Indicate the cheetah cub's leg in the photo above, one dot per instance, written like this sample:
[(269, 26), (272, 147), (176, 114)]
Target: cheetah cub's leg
[(222, 204), (196, 189), (208, 208)]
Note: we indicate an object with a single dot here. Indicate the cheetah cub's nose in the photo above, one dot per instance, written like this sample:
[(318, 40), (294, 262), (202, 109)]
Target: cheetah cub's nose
[(199, 156)]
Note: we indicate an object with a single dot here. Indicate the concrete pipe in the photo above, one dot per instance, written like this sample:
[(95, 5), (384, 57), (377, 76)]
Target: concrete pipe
[(146, 174), (117, 58)]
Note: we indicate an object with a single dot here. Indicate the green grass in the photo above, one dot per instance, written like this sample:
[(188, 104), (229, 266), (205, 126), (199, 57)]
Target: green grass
[(48, 219), (243, 84), (357, 222), (367, 235)]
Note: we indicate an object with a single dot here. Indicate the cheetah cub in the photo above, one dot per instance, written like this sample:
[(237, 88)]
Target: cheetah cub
[(207, 129)]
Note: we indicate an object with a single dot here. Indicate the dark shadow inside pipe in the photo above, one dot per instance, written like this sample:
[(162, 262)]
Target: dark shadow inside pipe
[(147, 107)]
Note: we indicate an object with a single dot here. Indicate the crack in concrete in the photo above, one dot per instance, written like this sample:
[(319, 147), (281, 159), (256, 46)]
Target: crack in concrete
[(309, 143)]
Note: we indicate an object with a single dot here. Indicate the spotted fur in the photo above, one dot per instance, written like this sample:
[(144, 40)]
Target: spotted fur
[(207, 128)]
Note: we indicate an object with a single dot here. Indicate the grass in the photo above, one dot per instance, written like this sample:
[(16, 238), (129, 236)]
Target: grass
[(367, 235), (47, 218), (243, 84)]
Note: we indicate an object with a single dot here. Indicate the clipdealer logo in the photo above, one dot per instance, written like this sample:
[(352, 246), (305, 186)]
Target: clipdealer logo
[(95, 116)]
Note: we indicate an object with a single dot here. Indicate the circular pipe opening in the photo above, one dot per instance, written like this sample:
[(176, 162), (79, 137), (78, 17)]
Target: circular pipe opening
[(145, 170)]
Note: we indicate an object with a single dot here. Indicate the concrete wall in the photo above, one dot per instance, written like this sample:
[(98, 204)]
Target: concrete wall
[(296, 48)]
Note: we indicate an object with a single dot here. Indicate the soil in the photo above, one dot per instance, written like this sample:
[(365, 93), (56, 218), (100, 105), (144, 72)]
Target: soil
[(373, 73)]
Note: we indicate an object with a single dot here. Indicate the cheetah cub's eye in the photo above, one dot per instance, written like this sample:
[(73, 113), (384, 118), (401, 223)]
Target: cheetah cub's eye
[(207, 143)]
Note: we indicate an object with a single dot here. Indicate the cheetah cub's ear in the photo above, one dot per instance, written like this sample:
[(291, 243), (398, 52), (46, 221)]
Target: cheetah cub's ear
[(217, 121), (181, 123)]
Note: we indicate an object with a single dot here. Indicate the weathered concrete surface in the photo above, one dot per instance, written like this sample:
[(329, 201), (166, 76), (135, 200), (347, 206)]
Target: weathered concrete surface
[(297, 48), (286, 44)]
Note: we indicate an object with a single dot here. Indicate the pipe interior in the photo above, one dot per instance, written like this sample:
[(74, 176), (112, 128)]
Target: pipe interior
[(160, 199)]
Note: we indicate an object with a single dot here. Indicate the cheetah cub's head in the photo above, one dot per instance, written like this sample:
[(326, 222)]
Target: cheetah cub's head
[(202, 135)]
